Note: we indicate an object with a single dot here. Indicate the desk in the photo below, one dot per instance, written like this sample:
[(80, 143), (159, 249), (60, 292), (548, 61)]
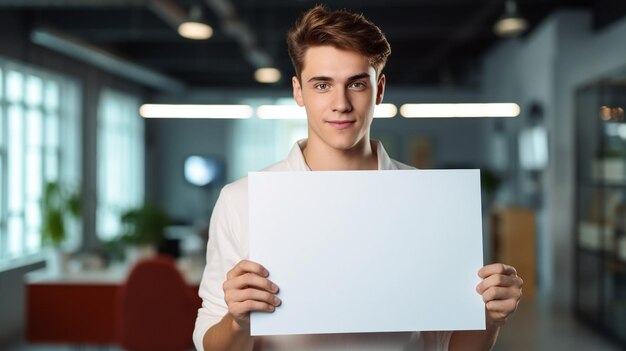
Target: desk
[(79, 308)]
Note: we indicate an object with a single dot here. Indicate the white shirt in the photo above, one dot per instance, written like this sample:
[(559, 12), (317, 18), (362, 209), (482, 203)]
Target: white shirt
[(228, 244)]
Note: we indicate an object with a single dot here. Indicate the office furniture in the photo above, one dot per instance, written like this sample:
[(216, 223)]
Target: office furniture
[(600, 217), (80, 308), (513, 232), (157, 312)]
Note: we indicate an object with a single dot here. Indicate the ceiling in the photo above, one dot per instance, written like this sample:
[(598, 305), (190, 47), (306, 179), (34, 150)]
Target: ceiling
[(433, 42)]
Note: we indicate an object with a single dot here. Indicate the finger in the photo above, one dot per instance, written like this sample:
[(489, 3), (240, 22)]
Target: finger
[(252, 280), (237, 296), (246, 266), (499, 280), (498, 293), (241, 309), (502, 306), (496, 268)]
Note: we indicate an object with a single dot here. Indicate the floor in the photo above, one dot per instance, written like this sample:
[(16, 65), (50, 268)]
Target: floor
[(535, 327), (532, 327)]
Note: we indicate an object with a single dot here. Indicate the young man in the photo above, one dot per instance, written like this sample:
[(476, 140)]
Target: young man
[(338, 58)]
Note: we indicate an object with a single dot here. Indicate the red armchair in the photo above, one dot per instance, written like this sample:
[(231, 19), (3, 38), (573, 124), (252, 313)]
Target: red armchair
[(157, 309)]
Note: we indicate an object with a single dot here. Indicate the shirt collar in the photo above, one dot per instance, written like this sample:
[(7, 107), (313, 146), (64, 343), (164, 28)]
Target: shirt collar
[(296, 161)]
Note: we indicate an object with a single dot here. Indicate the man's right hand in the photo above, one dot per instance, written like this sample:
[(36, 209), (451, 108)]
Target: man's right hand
[(247, 289)]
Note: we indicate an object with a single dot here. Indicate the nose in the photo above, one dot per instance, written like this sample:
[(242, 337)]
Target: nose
[(341, 101)]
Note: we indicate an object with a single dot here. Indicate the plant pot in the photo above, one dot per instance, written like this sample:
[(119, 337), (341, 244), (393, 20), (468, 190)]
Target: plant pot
[(56, 261)]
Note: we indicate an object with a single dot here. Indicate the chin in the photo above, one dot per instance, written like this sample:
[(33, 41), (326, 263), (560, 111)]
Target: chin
[(344, 144)]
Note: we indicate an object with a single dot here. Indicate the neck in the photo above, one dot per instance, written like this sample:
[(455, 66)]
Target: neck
[(321, 157)]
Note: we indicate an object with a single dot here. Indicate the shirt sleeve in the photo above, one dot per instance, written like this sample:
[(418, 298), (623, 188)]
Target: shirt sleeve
[(223, 252)]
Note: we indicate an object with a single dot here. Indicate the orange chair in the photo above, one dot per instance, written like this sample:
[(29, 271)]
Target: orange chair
[(157, 309)]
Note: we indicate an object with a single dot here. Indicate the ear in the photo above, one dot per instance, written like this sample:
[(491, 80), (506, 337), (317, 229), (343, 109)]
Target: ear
[(297, 91), (381, 89)]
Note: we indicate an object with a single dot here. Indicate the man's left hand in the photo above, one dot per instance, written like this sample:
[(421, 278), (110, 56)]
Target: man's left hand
[(501, 290)]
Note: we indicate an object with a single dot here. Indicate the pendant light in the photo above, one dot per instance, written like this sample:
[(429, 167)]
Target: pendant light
[(195, 27), (510, 24)]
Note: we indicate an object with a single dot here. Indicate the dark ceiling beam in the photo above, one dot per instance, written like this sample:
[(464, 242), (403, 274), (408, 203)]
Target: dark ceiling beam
[(144, 35), (464, 32), (75, 3), (116, 34), (390, 4), (233, 25), (84, 52), (196, 65), (121, 35), (169, 12), (356, 5)]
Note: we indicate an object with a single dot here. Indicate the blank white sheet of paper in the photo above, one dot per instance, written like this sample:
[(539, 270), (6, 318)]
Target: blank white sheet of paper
[(368, 251)]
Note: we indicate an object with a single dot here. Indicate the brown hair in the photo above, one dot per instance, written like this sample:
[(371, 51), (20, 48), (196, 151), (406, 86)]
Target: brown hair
[(341, 29)]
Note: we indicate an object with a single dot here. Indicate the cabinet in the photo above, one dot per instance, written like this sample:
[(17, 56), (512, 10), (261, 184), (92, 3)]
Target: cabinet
[(600, 217), (513, 242)]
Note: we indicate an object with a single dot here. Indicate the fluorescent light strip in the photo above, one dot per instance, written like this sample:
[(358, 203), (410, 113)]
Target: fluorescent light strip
[(196, 111), (297, 112), (385, 111), (281, 112), (459, 110)]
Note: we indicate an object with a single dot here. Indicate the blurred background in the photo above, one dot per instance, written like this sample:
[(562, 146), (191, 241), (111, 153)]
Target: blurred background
[(120, 121)]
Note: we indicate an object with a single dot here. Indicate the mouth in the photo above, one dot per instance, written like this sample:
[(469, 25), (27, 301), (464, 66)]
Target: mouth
[(341, 124)]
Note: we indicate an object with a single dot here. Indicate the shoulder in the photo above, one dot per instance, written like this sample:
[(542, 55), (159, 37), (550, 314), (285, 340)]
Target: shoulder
[(281, 166), (400, 166), (237, 191)]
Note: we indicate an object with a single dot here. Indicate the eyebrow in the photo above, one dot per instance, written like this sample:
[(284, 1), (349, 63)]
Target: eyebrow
[(329, 79)]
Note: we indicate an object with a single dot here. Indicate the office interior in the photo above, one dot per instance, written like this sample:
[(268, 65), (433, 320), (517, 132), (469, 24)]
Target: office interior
[(74, 75)]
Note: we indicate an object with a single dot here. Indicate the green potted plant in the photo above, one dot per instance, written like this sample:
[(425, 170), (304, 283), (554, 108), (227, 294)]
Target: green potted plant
[(143, 229), (59, 207)]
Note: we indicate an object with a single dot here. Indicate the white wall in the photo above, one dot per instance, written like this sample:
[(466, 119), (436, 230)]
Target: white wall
[(583, 57), (169, 142), (13, 304), (522, 70)]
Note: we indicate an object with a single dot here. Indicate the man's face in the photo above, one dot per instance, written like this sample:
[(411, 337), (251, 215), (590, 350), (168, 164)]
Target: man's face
[(339, 90)]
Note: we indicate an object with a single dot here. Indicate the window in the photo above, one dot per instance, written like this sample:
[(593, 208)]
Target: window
[(257, 143), (39, 143), (120, 160)]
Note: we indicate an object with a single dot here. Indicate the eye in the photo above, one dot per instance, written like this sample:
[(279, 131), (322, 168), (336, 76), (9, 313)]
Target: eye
[(358, 85), (321, 86)]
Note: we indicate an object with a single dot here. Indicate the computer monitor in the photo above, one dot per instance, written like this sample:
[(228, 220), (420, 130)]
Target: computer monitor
[(203, 170)]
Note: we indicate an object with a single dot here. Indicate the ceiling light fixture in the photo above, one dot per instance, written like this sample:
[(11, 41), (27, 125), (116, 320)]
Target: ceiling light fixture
[(196, 111), (459, 110), (510, 24), (194, 27), (297, 112), (267, 75), (281, 112), (385, 111)]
